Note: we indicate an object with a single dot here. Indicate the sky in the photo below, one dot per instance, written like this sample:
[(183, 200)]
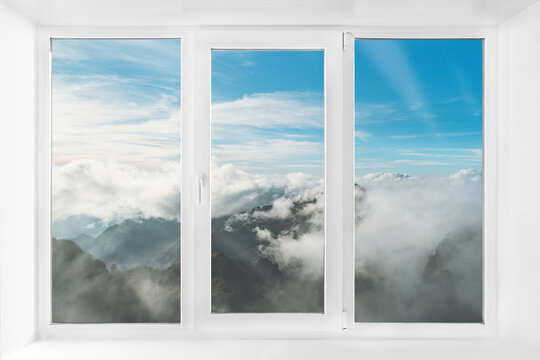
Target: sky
[(116, 100), (116, 117), (268, 111), (418, 106), (116, 128)]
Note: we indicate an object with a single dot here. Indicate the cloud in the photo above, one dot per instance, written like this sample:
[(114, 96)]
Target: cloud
[(281, 209), (272, 153), (362, 135), (91, 121), (373, 113), (409, 261), (235, 190), (302, 257), (112, 191), (155, 55), (415, 106), (383, 177), (271, 110), (270, 133), (420, 162), (467, 175), (450, 134), (296, 207), (454, 154)]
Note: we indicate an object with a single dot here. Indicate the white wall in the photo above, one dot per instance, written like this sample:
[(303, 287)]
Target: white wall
[(519, 251), (17, 179), (519, 222)]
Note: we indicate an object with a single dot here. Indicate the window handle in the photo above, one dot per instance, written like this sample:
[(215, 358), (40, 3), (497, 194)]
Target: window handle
[(201, 185)]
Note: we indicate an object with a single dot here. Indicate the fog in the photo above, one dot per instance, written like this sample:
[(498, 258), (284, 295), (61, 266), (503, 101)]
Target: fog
[(272, 235), (419, 248)]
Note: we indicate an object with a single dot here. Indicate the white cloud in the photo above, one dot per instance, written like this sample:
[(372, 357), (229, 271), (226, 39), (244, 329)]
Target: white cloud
[(270, 133), (362, 135), (404, 212), (287, 252), (465, 175), (95, 120), (471, 155), (264, 150), (234, 190), (300, 180), (450, 134), (420, 162), (270, 110), (415, 105), (306, 250), (281, 209), (369, 113), (112, 191), (381, 176), (143, 53), (400, 221)]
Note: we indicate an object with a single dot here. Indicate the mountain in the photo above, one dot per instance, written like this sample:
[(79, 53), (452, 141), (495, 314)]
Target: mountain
[(447, 287), (246, 275), (235, 235), (72, 226), (84, 241), (153, 242), (85, 291), (240, 285)]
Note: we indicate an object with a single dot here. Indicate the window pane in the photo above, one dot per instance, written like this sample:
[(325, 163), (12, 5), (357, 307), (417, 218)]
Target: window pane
[(267, 181), (115, 181), (418, 186)]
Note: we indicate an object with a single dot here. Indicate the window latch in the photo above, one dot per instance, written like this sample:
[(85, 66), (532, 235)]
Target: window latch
[(201, 182), (344, 320)]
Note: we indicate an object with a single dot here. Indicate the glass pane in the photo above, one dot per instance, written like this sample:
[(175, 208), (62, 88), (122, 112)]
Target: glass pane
[(418, 186), (267, 181), (116, 181)]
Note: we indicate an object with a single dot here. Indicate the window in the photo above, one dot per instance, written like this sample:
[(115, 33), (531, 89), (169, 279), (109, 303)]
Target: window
[(267, 181), (319, 172), (115, 181), (418, 184)]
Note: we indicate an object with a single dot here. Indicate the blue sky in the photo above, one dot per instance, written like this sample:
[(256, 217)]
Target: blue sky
[(144, 69), (268, 111), (116, 100), (418, 106)]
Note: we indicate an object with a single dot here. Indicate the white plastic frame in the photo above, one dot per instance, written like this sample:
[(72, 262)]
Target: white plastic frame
[(330, 320), (45, 328), (197, 321), (490, 189)]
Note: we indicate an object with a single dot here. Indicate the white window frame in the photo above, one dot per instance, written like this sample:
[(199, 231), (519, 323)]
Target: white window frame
[(271, 322), (45, 328), (197, 320), (490, 188)]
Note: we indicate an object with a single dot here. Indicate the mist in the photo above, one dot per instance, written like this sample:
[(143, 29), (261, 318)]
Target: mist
[(270, 257), (419, 248)]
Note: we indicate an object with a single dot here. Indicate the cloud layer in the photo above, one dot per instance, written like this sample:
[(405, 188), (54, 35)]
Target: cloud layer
[(111, 191), (419, 242), (235, 190)]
